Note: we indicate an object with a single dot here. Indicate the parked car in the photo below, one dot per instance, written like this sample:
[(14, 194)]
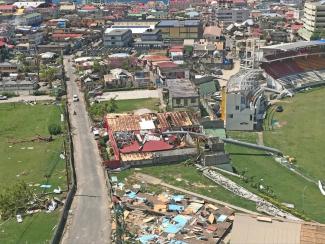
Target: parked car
[(3, 97), (75, 98), (279, 109), (19, 218)]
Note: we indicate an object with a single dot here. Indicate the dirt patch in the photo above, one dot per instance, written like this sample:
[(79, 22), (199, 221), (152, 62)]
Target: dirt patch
[(282, 123)]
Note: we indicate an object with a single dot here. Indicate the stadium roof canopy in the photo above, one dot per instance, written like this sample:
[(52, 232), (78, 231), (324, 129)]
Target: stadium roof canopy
[(294, 45)]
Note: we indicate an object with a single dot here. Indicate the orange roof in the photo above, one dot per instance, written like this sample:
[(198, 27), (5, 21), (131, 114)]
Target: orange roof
[(66, 35), (212, 30), (7, 6), (154, 58)]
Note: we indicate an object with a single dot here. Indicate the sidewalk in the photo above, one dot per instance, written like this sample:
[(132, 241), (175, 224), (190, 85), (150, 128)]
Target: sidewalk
[(28, 98)]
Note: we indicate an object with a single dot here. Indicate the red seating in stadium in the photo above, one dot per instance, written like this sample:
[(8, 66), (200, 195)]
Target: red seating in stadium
[(287, 67)]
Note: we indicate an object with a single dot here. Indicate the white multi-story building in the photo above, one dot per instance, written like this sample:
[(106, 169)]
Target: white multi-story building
[(232, 15), (117, 37), (314, 20), (245, 101)]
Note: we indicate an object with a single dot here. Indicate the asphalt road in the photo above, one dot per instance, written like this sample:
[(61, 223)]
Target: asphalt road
[(89, 221)]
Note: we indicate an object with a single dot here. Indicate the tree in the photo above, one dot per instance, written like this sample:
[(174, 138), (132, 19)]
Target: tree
[(112, 105), (4, 54), (96, 66), (54, 129), (48, 74), (15, 199)]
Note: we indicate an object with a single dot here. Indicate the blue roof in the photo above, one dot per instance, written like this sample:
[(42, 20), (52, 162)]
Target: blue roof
[(147, 238), (180, 222), (177, 198), (176, 23), (222, 218), (174, 207)]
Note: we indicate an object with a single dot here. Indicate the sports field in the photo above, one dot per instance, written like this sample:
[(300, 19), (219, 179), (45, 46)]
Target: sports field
[(299, 131), (34, 162)]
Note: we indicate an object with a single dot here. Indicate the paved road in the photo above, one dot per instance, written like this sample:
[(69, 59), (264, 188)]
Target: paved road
[(90, 218)]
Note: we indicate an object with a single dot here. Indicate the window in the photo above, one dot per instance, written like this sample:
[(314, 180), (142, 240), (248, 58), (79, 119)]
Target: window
[(178, 101), (250, 117), (193, 100), (237, 107), (230, 116), (185, 102)]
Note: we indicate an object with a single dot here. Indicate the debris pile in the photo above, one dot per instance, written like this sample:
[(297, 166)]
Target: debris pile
[(168, 217), (262, 205)]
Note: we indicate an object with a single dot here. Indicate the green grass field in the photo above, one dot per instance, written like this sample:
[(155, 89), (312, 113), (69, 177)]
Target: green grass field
[(134, 104), (192, 180), (299, 135), (36, 229), (301, 131), (30, 162), (97, 110), (288, 186)]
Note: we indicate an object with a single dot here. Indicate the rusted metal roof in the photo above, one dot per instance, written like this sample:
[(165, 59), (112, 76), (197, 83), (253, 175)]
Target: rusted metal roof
[(312, 233), (136, 156), (130, 122)]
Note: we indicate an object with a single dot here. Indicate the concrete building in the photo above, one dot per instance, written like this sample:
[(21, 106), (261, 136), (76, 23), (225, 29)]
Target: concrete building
[(182, 95), (137, 27), (32, 37), (31, 19), (117, 38), (234, 15), (141, 79), (118, 78), (8, 68), (139, 139), (13, 85), (7, 9), (181, 29), (314, 20), (245, 101), (151, 35)]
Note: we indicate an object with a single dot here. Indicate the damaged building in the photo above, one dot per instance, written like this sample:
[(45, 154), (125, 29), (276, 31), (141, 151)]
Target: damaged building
[(136, 140)]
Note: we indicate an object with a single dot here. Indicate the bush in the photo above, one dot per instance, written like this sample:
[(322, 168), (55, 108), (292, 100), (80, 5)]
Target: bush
[(39, 93), (9, 94), (15, 199), (54, 129)]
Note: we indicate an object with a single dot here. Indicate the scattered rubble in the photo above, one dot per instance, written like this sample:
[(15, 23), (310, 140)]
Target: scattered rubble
[(161, 216), (262, 205)]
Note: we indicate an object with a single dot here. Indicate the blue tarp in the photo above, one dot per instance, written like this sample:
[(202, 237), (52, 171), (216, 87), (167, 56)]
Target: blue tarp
[(174, 207), (147, 238), (222, 218), (177, 242), (179, 222), (131, 195), (177, 198)]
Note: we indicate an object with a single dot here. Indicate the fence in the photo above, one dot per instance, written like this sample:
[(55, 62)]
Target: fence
[(65, 213)]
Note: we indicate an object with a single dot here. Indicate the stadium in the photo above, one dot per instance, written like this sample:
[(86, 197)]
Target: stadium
[(294, 66)]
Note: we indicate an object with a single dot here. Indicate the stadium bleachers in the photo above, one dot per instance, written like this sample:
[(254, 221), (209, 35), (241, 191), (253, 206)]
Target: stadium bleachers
[(282, 68), (292, 66), (311, 63), (302, 79)]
